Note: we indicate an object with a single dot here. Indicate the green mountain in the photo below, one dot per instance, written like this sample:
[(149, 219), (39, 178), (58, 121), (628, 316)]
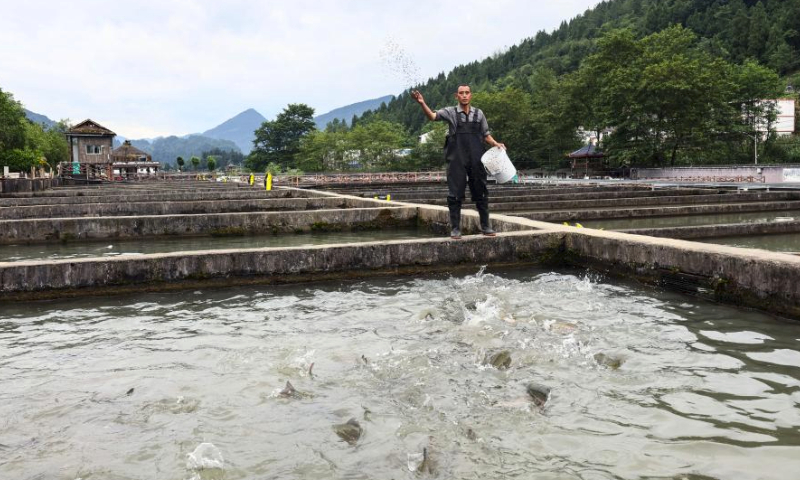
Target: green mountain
[(167, 149), (346, 113), (238, 129), (38, 118), (735, 30)]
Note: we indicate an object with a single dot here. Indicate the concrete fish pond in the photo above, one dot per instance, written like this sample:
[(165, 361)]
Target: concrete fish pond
[(52, 241), (394, 378)]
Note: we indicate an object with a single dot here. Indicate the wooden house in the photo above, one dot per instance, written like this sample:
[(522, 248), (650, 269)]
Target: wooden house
[(128, 161), (90, 146), (90, 143), (92, 155)]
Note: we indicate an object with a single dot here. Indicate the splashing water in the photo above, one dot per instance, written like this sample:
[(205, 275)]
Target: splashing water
[(701, 390), (206, 457), (400, 64)]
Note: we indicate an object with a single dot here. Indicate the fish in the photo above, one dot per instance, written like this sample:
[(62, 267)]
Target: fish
[(425, 465), (500, 360), (349, 431), (538, 393), (609, 360), (288, 391)]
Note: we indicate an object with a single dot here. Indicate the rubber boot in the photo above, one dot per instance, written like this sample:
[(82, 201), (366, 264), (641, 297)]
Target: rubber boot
[(483, 213), (455, 218)]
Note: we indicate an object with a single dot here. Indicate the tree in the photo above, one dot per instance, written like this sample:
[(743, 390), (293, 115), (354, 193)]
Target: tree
[(273, 168), (49, 143), (167, 149), (429, 154), (20, 159), (510, 114), (24, 144), (555, 124), (12, 123), (665, 98), (195, 162), (753, 86), (336, 125), (278, 141), (373, 145), (211, 163), (224, 157), (56, 148), (322, 151), (180, 162)]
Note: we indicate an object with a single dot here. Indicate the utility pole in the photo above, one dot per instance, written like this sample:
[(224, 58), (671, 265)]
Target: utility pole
[(755, 147)]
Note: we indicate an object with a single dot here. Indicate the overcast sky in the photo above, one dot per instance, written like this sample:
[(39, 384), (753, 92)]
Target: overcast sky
[(145, 68)]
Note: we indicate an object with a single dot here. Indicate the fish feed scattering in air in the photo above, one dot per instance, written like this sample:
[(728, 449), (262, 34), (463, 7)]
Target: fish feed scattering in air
[(400, 64)]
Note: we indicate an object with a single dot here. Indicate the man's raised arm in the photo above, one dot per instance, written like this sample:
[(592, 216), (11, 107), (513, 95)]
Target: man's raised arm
[(428, 112)]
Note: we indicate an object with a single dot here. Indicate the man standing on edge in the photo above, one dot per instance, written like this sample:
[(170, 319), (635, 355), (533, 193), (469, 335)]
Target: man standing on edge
[(463, 149)]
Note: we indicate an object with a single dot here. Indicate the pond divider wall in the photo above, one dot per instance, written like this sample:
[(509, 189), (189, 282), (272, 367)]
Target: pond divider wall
[(219, 224), (59, 278), (747, 277)]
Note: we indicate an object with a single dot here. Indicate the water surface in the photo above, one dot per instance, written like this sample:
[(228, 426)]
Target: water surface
[(693, 220), (780, 242), (127, 387)]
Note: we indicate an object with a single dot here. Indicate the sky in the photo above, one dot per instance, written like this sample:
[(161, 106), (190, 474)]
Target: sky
[(147, 68)]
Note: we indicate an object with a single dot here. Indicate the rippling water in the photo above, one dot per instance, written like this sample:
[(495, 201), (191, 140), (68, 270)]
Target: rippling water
[(130, 387), (693, 220), (780, 242)]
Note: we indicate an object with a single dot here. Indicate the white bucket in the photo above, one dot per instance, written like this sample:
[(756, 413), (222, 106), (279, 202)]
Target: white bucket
[(497, 164)]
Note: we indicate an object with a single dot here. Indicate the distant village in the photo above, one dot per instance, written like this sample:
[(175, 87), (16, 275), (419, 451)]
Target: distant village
[(92, 155)]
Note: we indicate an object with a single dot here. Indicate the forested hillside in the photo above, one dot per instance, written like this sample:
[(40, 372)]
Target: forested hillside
[(167, 149), (629, 66), (735, 30), (25, 143), (346, 113)]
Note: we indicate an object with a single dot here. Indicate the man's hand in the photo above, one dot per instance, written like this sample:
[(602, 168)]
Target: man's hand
[(428, 112), (494, 143)]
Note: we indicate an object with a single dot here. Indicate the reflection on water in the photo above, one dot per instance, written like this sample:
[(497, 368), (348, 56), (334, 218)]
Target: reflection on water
[(784, 242), (693, 220), (141, 386), (16, 253)]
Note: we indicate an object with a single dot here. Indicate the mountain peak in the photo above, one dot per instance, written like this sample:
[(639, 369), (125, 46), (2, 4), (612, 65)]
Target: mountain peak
[(239, 129), (346, 113)]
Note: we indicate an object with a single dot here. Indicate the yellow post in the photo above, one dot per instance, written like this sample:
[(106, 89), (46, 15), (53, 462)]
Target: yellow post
[(252, 179), (269, 181)]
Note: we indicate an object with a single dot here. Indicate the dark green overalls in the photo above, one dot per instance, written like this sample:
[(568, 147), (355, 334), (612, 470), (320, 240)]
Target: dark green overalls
[(463, 151)]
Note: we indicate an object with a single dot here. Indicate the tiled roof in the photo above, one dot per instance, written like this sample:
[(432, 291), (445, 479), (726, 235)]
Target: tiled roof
[(128, 150), (89, 127), (588, 151)]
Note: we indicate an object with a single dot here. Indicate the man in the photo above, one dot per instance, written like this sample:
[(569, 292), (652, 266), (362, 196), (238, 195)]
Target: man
[(464, 146)]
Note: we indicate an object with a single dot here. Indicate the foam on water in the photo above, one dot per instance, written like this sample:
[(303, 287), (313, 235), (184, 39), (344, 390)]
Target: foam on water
[(206, 462)]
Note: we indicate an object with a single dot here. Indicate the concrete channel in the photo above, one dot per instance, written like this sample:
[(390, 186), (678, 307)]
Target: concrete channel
[(752, 278)]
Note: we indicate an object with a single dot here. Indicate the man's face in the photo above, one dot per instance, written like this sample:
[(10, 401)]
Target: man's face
[(464, 95)]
